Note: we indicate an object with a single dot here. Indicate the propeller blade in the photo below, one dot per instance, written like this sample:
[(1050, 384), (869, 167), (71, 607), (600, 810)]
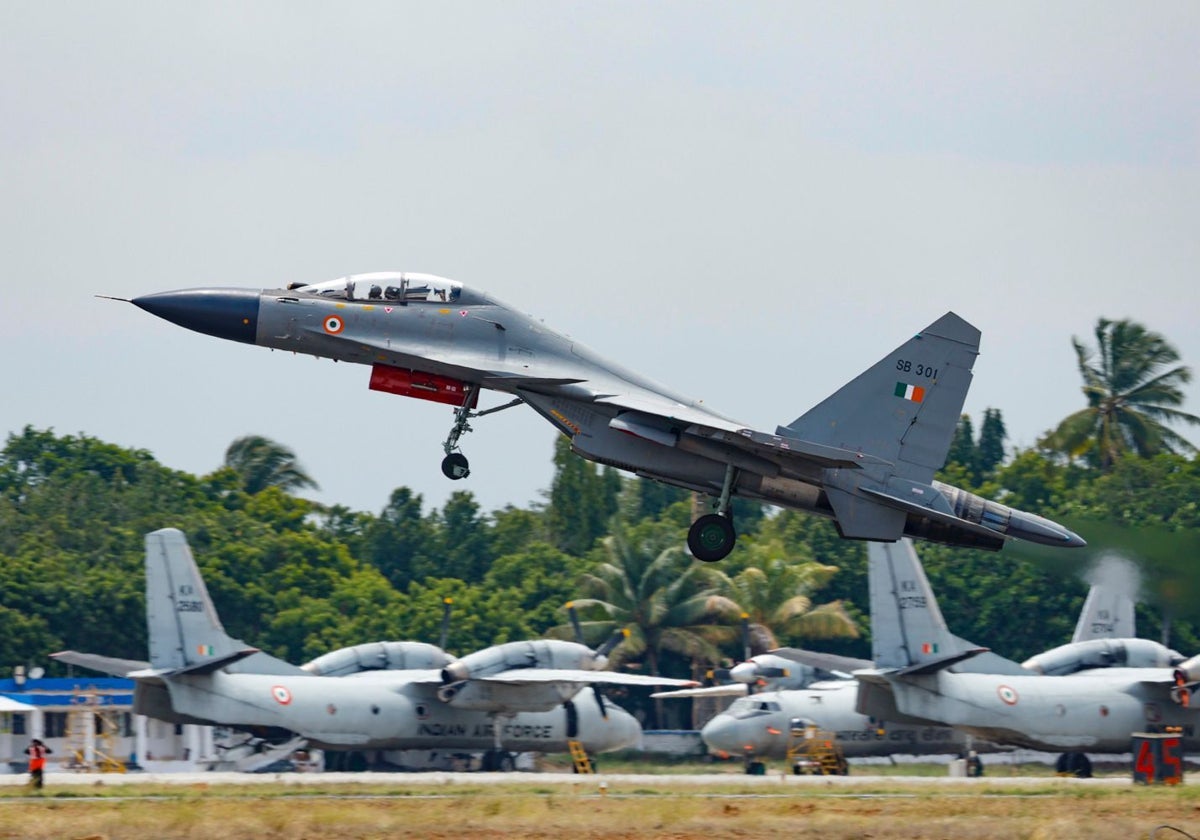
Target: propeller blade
[(574, 616), (613, 640), (446, 602), (600, 701)]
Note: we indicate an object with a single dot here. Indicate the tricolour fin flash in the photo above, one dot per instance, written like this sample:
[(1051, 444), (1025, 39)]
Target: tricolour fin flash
[(905, 408)]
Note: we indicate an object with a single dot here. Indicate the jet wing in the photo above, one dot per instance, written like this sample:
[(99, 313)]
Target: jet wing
[(530, 676), (103, 664)]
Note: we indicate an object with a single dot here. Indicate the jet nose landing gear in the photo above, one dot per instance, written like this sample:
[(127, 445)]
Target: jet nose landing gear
[(455, 465)]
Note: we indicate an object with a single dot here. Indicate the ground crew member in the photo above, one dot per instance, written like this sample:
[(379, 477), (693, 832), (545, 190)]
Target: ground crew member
[(37, 752)]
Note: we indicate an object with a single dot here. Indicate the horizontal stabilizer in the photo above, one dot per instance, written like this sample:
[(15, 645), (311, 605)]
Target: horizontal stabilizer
[(216, 663), (860, 518), (934, 665), (103, 664), (935, 515)]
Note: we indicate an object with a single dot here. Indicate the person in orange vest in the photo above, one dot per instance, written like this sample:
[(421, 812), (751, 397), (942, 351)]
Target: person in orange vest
[(37, 752)]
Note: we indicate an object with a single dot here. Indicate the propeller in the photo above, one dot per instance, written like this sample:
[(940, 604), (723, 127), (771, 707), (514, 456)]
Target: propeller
[(601, 652)]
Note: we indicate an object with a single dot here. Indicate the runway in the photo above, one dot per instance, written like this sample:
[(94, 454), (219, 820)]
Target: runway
[(605, 783)]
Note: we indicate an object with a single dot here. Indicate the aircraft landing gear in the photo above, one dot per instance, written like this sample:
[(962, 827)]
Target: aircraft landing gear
[(712, 536), (455, 465), (498, 761)]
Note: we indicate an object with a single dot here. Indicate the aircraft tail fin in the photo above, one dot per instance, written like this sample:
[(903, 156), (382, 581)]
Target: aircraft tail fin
[(1107, 614), (905, 407), (908, 631), (185, 633)]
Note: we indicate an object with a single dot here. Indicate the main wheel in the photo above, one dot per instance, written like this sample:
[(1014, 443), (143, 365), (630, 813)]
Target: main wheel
[(505, 762), (455, 466), (711, 537)]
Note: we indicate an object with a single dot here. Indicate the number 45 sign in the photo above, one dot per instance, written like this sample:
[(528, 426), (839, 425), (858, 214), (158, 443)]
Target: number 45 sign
[(1157, 759)]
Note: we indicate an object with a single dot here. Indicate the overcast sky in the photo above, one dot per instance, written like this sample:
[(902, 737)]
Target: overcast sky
[(750, 202)]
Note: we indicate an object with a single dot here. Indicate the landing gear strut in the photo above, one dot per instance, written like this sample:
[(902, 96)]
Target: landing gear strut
[(455, 465), (712, 536)]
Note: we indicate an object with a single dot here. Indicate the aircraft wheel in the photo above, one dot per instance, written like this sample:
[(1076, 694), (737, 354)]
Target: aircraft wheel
[(711, 537), (455, 466), (1079, 765), (505, 762)]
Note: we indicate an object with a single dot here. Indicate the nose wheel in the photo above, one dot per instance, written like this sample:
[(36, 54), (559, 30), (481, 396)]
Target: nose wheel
[(455, 466)]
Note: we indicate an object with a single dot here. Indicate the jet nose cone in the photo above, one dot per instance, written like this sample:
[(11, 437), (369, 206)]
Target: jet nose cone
[(224, 313)]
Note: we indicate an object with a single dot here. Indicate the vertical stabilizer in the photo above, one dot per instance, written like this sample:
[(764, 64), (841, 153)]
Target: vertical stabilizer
[(906, 407), (907, 627), (1107, 614), (183, 627)]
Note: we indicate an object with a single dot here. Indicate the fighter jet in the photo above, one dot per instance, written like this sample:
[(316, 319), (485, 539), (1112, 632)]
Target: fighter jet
[(865, 456), (924, 672), (519, 696)]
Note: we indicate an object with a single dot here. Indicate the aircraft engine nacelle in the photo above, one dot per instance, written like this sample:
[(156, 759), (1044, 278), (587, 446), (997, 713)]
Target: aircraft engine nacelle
[(543, 653), (1188, 671), (379, 656), (1103, 653), (501, 697)]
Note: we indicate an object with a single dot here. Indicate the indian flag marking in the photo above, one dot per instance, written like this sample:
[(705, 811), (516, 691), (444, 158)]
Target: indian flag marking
[(204, 650), (929, 647), (1007, 694), (910, 392), (281, 694)]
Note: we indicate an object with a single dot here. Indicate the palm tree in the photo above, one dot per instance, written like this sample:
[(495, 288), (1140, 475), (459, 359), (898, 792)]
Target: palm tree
[(649, 586), (263, 463), (775, 596), (1132, 392)]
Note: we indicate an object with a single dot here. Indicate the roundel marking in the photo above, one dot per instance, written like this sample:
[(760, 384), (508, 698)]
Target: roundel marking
[(281, 694), (334, 324), (1007, 695)]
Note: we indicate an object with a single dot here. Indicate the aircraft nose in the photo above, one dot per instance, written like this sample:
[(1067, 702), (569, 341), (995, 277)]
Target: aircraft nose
[(224, 313), (725, 734)]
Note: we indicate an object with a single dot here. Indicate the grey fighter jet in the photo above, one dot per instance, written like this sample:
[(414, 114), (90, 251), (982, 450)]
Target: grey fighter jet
[(923, 672), (520, 696), (864, 457)]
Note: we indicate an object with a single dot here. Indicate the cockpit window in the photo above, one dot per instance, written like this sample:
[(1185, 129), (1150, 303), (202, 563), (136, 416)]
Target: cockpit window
[(747, 707), (393, 288)]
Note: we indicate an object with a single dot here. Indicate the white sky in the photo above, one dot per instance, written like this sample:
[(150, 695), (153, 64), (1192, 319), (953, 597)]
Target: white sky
[(749, 202)]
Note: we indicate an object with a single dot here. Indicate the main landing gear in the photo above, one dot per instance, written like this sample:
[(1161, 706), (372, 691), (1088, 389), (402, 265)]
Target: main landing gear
[(712, 536), (455, 465)]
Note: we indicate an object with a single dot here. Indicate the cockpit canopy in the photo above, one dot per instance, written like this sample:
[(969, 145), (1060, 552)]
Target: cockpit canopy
[(746, 707), (394, 287)]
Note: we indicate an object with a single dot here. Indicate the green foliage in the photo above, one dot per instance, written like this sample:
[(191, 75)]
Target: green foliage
[(261, 463), (582, 500), (1133, 390)]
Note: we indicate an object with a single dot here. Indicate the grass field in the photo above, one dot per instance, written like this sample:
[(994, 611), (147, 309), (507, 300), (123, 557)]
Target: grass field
[(641, 807)]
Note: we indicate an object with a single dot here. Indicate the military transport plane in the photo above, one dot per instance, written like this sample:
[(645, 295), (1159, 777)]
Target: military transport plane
[(864, 457), (520, 696), (804, 685), (926, 674)]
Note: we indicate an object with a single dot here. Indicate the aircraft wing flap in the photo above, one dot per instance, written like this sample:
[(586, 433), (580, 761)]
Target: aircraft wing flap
[(103, 664), (526, 676), (684, 415)]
